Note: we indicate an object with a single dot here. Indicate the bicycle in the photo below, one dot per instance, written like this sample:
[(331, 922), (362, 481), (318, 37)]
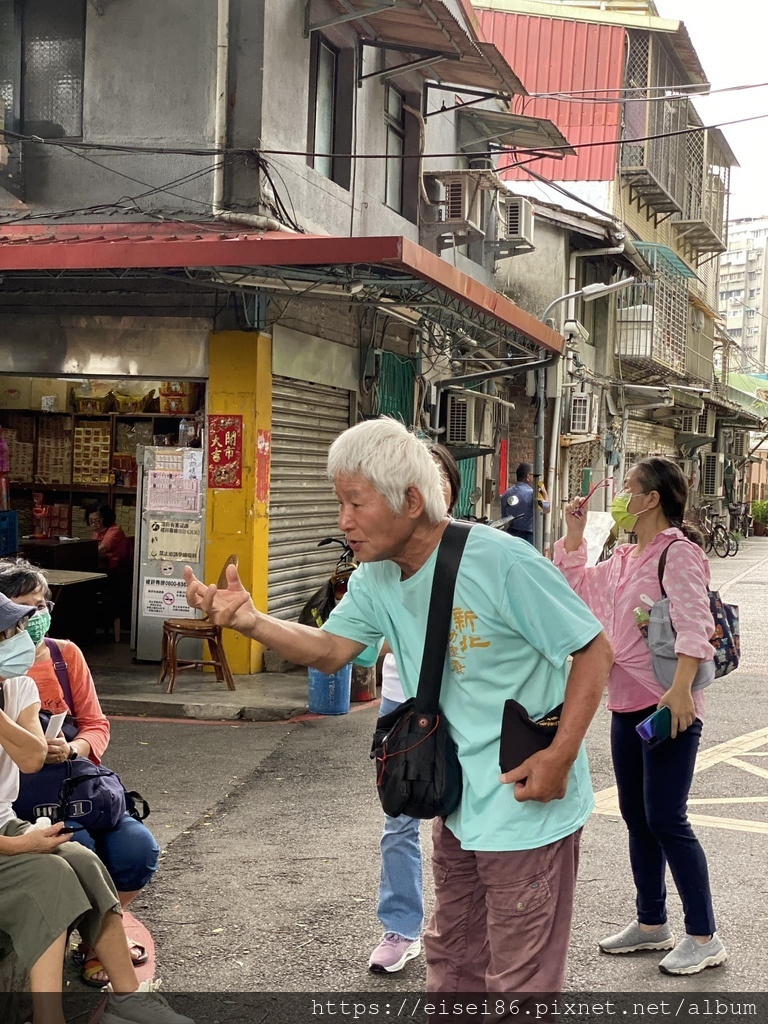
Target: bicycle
[(715, 534)]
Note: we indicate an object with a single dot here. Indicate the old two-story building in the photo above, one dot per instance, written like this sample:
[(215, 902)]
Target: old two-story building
[(266, 219), (620, 82)]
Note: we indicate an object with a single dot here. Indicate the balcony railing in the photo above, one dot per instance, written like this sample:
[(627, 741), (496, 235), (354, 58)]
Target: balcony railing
[(703, 223), (652, 317), (653, 168)]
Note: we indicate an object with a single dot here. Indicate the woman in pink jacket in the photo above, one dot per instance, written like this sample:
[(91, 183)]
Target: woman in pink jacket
[(653, 781)]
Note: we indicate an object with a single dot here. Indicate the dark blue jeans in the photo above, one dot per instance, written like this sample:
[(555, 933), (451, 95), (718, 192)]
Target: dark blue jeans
[(653, 784)]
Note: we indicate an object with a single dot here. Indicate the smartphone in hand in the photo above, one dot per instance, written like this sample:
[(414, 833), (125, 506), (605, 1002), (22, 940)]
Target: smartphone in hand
[(656, 727)]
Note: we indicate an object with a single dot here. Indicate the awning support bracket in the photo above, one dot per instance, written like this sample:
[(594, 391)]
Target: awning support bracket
[(481, 94), (374, 7), (423, 58)]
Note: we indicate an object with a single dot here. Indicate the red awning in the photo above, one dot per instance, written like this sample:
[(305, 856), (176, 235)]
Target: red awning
[(90, 246)]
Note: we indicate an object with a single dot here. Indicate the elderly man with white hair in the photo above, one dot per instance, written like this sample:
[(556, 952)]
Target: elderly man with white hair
[(505, 861)]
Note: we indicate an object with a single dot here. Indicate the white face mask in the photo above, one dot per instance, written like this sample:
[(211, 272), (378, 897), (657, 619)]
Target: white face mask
[(17, 655)]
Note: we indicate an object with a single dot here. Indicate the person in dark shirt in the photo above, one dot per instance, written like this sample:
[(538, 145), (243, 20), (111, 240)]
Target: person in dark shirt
[(522, 525)]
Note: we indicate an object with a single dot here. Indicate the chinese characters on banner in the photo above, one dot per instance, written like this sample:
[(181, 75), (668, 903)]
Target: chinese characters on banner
[(176, 540), (225, 451)]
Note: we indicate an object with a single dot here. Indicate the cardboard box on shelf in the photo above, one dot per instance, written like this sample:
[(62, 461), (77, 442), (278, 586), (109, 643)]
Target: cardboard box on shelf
[(22, 460), (50, 394), (15, 393)]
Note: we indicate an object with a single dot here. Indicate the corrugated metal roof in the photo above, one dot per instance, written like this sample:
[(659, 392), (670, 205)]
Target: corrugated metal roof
[(555, 55), (642, 20), (136, 245), (479, 127), (430, 25)]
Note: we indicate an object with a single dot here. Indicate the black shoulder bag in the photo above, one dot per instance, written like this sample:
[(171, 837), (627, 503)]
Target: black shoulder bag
[(417, 765)]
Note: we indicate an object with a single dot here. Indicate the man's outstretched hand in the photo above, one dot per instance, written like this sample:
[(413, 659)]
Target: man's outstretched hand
[(231, 607)]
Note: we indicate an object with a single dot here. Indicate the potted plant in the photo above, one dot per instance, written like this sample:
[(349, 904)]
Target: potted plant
[(759, 513)]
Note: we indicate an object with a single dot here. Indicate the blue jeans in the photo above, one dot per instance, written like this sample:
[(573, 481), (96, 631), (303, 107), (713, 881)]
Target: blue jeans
[(401, 899), (653, 784), (129, 852)]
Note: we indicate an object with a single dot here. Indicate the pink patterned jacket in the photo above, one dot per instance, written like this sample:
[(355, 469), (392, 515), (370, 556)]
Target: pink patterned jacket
[(613, 589)]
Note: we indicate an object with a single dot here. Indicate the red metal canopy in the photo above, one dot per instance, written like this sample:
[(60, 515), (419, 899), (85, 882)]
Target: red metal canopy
[(90, 246)]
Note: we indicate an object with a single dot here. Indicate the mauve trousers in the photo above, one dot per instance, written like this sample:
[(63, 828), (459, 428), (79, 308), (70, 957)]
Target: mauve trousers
[(502, 921)]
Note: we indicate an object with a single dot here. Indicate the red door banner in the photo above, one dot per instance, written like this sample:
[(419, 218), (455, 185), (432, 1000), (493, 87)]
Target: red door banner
[(225, 452), (263, 450), (503, 465)]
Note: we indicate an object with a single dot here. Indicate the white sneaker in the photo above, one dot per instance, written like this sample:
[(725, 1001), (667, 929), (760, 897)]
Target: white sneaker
[(146, 1006)]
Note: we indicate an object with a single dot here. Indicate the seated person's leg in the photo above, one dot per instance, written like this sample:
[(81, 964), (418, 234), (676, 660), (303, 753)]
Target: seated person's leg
[(130, 854)]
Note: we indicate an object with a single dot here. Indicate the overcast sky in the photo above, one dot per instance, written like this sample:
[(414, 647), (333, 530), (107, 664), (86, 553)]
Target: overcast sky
[(730, 37)]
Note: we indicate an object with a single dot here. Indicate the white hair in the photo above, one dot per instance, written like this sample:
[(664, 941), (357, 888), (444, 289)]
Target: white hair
[(391, 459)]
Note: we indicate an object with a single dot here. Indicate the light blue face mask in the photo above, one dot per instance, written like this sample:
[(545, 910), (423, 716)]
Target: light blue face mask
[(17, 655)]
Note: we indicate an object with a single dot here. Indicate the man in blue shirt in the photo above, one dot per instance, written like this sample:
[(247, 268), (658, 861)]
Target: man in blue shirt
[(505, 860), (522, 509)]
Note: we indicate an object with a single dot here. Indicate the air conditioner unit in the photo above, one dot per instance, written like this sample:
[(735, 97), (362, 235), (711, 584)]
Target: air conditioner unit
[(713, 464), (516, 220), (581, 413), (701, 423), (460, 418), (463, 202), (740, 444)]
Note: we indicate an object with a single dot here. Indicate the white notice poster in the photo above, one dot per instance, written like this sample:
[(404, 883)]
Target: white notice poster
[(170, 492), (166, 599), (175, 540)]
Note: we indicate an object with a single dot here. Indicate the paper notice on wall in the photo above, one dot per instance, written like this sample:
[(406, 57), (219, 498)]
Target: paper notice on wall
[(193, 464), (598, 528), (171, 461), (165, 599), (170, 492), (174, 540)]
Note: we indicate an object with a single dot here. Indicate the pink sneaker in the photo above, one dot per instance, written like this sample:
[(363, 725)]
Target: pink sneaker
[(393, 953)]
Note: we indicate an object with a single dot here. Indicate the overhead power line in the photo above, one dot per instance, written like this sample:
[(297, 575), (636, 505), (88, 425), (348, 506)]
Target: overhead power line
[(666, 92), (223, 151)]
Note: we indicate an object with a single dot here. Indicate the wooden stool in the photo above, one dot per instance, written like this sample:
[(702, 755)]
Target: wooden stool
[(175, 630)]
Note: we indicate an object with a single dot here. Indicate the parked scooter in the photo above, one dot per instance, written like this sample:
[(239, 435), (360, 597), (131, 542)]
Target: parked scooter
[(323, 601)]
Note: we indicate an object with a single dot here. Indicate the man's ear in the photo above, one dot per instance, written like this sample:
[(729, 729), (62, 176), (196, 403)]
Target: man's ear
[(414, 503)]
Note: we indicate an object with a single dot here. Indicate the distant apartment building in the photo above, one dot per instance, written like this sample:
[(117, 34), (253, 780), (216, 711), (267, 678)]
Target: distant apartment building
[(743, 293)]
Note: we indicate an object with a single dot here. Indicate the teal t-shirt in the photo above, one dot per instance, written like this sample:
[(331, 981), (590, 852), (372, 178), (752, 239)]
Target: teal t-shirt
[(515, 621)]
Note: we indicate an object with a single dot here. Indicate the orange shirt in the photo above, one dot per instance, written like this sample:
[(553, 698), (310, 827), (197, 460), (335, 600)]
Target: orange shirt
[(115, 542), (93, 725)]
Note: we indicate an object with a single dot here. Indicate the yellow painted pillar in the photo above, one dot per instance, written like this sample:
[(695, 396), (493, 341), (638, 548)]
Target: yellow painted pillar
[(236, 521)]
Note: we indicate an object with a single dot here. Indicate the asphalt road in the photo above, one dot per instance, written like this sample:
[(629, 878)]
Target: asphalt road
[(270, 834)]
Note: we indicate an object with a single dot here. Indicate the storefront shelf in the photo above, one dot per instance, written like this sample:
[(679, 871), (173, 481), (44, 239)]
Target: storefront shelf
[(44, 488)]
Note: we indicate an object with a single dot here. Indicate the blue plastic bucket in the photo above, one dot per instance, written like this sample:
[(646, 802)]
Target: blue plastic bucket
[(329, 694)]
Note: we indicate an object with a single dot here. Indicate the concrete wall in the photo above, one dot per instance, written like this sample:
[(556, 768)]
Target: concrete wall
[(150, 81), (534, 279)]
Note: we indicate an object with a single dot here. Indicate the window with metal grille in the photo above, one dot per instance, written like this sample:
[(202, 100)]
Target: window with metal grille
[(652, 318), (654, 111), (42, 51), (581, 406)]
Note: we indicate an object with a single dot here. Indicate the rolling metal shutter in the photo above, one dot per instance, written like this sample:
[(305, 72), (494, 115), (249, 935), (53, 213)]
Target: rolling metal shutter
[(306, 419)]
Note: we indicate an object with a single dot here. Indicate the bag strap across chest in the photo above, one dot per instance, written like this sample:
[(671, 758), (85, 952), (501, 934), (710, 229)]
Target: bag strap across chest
[(663, 561), (62, 672), (439, 619)]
